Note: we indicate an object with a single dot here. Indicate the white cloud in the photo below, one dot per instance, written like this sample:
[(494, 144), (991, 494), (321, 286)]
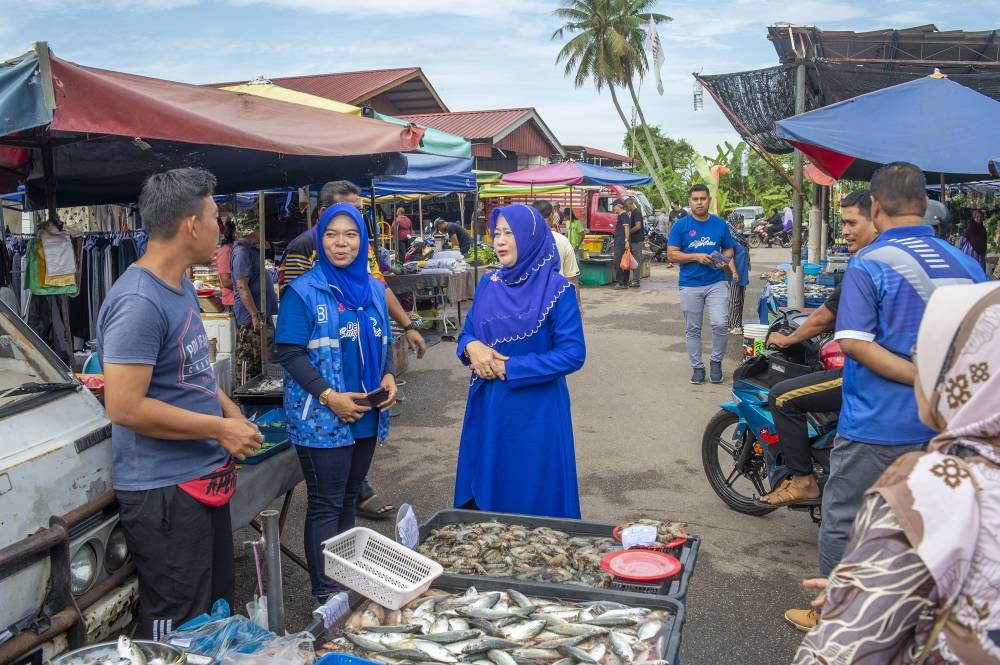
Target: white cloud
[(395, 8)]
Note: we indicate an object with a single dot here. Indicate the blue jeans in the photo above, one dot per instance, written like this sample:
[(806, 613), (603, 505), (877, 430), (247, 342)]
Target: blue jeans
[(333, 480), (694, 301), (854, 467)]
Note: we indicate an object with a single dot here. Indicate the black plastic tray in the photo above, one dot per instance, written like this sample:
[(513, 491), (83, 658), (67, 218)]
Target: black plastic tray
[(677, 588), (669, 637)]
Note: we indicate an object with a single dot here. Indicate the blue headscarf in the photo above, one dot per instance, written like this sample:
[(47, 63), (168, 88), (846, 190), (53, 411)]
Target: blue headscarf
[(514, 301), (353, 286)]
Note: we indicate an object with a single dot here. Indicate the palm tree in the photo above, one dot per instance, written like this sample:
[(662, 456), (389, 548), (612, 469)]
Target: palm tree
[(607, 48)]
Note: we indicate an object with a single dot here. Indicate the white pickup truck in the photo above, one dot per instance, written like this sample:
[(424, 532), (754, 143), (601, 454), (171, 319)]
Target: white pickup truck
[(66, 577)]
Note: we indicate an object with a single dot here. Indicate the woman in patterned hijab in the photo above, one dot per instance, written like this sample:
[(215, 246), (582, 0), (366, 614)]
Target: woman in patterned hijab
[(920, 581)]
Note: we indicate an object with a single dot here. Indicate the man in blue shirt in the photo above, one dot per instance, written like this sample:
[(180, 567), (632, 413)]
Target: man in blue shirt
[(703, 246), (883, 297)]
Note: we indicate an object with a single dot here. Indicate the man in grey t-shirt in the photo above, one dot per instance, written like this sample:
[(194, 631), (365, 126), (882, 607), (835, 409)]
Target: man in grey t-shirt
[(174, 435)]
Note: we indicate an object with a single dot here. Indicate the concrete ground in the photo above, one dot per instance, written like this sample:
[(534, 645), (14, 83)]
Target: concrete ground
[(638, 424)]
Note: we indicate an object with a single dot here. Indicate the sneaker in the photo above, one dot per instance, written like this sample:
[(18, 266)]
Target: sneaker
[(738, 331), (618, 286), (803, 620), (634, 284), (716, 372), (698, 376)]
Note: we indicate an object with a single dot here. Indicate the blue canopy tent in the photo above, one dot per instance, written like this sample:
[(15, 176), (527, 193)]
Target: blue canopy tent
[(429, 173), (948, 130)]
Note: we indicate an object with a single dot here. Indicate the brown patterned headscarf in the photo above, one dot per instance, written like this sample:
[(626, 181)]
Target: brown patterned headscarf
[(947, 500)]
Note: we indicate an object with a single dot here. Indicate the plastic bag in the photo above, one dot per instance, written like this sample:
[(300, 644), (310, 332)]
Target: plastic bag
[(217, 634), (627, 260), (289, 650)]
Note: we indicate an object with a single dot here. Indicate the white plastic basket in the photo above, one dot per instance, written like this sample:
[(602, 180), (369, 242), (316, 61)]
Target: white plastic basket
[(378, 568)]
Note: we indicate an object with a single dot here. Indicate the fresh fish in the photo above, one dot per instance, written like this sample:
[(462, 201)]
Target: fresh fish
[(366, 644), (435, 651), (649, 630), (500, 657), (522, 632), (561, 642), (451, 636), (410, 654), (458, 624), (577, 629), (401, 628), (612, 620), (577, 654), (488, 643), (621, 647), (531, 655), (129, 651), (490, 614), (487, 600), (598, 651), (485, 626), (440, 625), (522, 601)]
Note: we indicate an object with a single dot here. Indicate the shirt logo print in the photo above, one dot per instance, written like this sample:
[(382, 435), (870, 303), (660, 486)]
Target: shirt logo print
[(194, 370), (321, 315)]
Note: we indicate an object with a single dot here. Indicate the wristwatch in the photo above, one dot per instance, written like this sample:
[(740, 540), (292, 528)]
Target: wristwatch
[(409, 327), (324, 397)]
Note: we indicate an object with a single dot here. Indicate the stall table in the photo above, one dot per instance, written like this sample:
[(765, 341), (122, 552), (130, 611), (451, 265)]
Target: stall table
[(453, 288)]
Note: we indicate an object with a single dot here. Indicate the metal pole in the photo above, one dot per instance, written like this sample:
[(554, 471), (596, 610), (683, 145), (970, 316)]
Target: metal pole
[(261, 244), (824, 216), (796, 285), (815, 224), (272, 569)]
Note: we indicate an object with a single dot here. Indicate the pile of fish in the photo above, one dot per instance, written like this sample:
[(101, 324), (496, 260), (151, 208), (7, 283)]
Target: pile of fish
[(504, 628), (123, 652), (665, 531), (268, 385), (542, 554)]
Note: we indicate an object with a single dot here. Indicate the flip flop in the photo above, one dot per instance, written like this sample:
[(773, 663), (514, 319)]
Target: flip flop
[(383, 513), (787, 494)]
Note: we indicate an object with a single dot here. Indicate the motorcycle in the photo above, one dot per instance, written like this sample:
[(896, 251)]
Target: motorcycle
[(761, 236), (657, 245), (739, 450)]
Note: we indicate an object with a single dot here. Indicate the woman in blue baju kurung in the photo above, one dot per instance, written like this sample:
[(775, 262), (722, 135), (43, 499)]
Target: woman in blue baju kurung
[(521, 338)]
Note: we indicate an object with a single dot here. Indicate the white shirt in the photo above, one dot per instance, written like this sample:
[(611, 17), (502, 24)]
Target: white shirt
[(568, 267)]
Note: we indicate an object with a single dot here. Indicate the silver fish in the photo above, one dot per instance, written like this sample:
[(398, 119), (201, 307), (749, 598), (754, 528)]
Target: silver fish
[(366, 644), (450, 636), (500, 657), (649, 630), (435, 651), (577, 654), (621, 647), (490, 614), (562, 642), (597, 653), (401, 628), (522, 632), (129, 651), (577, 629), (519, 598), (488, 643)]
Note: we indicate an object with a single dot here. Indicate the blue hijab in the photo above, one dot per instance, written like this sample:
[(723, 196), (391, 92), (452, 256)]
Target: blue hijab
[(353, 286), (514, 301)]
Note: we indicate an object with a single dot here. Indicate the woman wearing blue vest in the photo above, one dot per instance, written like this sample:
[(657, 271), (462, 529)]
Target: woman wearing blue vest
[(333, 340)]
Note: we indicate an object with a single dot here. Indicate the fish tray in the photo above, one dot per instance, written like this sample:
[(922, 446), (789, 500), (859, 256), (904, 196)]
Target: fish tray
[(245, 395), (677, 587), (668, 640), (378, 568)]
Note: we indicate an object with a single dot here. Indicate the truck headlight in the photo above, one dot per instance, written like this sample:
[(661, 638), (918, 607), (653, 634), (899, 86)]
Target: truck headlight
[(83, 569), (116, 551)]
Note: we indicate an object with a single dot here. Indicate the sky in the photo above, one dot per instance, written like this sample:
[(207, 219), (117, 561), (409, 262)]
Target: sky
[(478, 54)]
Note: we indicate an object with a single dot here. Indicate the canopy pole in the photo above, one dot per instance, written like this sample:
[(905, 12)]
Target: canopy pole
[(420, 213), (796, 284), (261, 244)]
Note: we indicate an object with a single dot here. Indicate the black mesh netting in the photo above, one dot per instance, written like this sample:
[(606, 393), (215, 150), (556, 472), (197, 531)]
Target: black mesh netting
[(761, 97)]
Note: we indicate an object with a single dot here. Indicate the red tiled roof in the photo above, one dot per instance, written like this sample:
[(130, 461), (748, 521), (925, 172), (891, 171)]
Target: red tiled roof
[(597, 152), (470, 124)]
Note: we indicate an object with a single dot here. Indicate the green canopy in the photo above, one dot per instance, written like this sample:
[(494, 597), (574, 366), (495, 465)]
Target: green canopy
[(436, 142)]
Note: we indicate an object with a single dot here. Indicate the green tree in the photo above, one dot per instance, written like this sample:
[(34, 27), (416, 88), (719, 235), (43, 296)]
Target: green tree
[(678, 166), (606, 48)]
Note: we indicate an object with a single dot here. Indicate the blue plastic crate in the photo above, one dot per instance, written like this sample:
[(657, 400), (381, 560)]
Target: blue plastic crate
[(344, 659)]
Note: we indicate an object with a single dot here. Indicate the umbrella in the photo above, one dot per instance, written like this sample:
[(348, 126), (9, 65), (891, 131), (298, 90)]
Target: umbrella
[(574, 173), (946, 129)]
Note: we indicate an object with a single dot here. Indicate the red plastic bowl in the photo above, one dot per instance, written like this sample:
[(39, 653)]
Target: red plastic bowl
[(671, 545), (640, 565)]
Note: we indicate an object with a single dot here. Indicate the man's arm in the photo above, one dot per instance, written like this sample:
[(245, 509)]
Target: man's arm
[(243, 291), (128, 404), (880, 360), (229, 408), (820, 321), (677, 255), (414, 338)]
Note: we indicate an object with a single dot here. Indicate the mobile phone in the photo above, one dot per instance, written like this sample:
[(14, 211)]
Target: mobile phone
[(376, 397)]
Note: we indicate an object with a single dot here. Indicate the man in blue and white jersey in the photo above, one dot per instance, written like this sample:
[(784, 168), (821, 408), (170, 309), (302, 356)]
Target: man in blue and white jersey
[(883, 297)]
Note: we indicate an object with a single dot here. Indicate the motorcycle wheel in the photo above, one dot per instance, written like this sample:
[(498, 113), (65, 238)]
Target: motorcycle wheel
[(720, 449), (754, 241), (786, 241)]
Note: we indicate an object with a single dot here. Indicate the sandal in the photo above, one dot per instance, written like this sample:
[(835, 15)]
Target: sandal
[(785, 494), (382, 513)]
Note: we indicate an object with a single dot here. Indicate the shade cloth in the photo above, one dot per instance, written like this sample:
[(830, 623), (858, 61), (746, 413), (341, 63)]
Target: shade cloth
[(574, 173)]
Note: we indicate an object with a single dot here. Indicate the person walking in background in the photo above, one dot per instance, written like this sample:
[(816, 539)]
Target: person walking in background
[(574, 229), (918, 581), (569, 267), (522, 337), (883, 297), (251, 326), (676, 211), (703, 246), (622, 226), (479, 227), (973, 241), (454, 234), (223, 261), (333, 342), (636, 238), (740, 281), (402, 228), (174, 434)]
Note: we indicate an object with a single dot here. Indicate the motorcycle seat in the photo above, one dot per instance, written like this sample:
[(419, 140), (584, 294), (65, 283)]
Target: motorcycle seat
[(823, 421)]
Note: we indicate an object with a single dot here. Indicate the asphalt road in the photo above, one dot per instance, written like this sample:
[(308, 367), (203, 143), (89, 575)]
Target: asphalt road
[(638, 425)]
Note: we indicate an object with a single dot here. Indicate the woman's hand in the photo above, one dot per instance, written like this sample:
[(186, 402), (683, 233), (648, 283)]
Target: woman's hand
[(346, 408), (486, 363), (389, 383), (819, 583)]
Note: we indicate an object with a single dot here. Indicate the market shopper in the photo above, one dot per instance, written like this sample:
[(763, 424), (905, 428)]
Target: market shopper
[(521, 338), (636, 237), (402, 227), (739, 282), (223, 263), (973, 241), (333, 341), (456, 236), (252, 328), (174, 433), (622, 225), (574, 228), (569, 267), (703, 246), (919, 576), (883, 296)]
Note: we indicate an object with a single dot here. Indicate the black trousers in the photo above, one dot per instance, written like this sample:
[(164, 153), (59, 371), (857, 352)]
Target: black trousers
[(183, 551), (790, 401), (618, 275)]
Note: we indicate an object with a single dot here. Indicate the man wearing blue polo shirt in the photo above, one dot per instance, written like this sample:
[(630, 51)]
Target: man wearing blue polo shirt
[(883, 297), (703, 246)]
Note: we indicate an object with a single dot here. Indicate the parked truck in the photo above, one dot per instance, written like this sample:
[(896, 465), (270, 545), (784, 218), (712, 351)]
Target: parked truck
[(591, 205), (66, 577)]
